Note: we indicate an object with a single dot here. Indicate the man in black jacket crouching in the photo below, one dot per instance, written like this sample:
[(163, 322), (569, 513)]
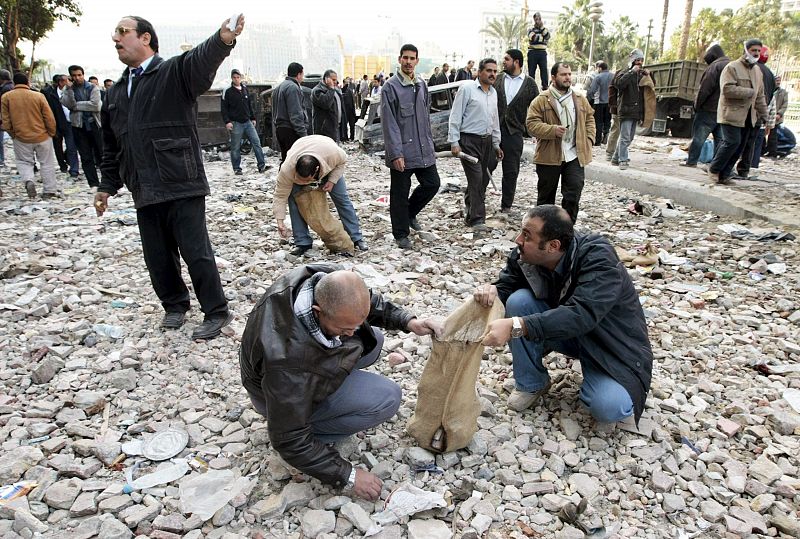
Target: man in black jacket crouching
[(570, 293), (302, 352)]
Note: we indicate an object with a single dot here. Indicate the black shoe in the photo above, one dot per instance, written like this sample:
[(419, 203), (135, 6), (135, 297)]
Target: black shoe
[(211, 327), (262, 168), (238, 172), (30, 188), (413, 223), (685, 164), (299, 250), (361, 245), (64, 169), (173, 320), (404, 243)]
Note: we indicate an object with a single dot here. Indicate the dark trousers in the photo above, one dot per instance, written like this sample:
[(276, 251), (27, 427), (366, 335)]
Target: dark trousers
[(286, 137), (90, 147), (67, 161), (179, 227), (572, 178), (751, 153), (602, 122), (728, 152), (704, 124), (478, 175), (771, 148), (403, 208), (512, 153), (538, 58)]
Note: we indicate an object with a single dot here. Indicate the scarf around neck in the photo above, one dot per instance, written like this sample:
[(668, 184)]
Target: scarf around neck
[(564, 115)]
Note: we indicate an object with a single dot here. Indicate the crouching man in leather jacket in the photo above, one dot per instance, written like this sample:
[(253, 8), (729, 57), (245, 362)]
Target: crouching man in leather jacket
[(302, 352)]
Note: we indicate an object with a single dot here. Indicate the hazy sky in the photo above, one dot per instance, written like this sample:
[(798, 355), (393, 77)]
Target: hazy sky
[(416, 20)]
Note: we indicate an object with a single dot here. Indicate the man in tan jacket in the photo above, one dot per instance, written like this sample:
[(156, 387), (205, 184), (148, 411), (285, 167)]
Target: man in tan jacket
[(28, 120), (563, 124), (315, 159), (741, 105)]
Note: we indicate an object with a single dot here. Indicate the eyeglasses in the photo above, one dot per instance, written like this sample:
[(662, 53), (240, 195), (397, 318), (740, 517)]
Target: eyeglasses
[(121, 31)]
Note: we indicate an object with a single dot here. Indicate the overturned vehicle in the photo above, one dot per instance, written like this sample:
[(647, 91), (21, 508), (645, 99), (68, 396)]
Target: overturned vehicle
[(369, 133)]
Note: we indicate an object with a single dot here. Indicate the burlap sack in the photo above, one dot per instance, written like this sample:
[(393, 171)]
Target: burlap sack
[(313, 206), (446, 395), (646, 83)]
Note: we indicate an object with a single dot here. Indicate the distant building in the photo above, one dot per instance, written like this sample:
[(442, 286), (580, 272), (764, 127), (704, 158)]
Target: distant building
[(790, 6), (492, 46), (358, 65), (261, 54)]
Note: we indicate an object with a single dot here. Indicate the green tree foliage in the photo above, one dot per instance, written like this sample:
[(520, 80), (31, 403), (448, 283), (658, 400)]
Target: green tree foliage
[(758, 18), (30, 20), (573, 34), (509, 30)]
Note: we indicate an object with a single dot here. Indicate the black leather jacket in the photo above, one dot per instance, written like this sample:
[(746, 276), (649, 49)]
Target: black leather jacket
[(325, 114), (593, 301), (150, 141), (280, 360)]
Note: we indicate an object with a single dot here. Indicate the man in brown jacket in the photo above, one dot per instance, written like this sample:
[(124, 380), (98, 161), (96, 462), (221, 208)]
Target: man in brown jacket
[(741, 105), (28, 120), (563, 124)]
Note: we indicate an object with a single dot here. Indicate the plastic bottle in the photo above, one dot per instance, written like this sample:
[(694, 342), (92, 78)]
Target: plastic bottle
[(159, 477), (115, 332)]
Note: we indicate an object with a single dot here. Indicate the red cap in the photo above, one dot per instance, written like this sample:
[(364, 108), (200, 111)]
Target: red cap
[(764, 56)]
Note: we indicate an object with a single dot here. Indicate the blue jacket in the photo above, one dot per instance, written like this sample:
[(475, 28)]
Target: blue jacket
[(599, 87), (406, 123)]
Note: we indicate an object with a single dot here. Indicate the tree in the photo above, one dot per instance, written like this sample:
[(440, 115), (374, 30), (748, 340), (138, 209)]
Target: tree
[(758, 18), (664, 25), (508, 30), (30, 20), (623, 38), (687, 23), (574, 32)]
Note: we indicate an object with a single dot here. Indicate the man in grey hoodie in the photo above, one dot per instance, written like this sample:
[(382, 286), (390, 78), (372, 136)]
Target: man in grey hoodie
[(407, 135)]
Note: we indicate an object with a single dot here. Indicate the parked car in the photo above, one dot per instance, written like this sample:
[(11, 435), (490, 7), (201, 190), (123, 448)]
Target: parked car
[(368, 126)]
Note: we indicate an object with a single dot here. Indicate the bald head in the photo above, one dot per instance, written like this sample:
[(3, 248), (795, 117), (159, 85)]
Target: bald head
[(342, 290)]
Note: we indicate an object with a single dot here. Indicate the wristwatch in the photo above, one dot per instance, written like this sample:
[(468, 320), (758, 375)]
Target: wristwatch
[(351, 479), (516, 328)]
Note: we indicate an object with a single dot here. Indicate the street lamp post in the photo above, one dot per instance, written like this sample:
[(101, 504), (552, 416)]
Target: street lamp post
[(595, 12)]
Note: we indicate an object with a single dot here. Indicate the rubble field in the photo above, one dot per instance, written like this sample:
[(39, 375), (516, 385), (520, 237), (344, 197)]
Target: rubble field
[(94, 396)]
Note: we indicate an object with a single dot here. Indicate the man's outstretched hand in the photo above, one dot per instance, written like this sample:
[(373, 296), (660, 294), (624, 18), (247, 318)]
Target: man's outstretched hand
[(429, 326)]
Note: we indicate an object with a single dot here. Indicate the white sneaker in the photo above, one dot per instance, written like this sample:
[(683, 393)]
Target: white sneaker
[(522, 400)]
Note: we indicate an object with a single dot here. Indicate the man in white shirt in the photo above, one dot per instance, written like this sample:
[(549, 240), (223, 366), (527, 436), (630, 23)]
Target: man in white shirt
[(474, 128)]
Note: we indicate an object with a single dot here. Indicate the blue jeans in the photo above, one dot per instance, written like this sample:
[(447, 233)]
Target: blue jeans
[(344, 207), (364, 400), (606, 399), (2, 147), (627, 130), (704, 124), (248, 130)]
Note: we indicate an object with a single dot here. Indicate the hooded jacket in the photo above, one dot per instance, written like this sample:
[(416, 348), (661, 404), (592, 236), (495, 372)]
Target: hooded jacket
[(708, 94), (280, 360), (594, 303), (741, 94), (630, 95)]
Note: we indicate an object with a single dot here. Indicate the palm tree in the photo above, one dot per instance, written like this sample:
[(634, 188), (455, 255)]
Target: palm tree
[(575, 27), (508, 30), (687, 24), (623, 38), (664, 26)]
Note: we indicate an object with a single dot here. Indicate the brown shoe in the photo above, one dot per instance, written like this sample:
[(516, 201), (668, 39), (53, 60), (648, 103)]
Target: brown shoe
[(30, 188), (713, 176)]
